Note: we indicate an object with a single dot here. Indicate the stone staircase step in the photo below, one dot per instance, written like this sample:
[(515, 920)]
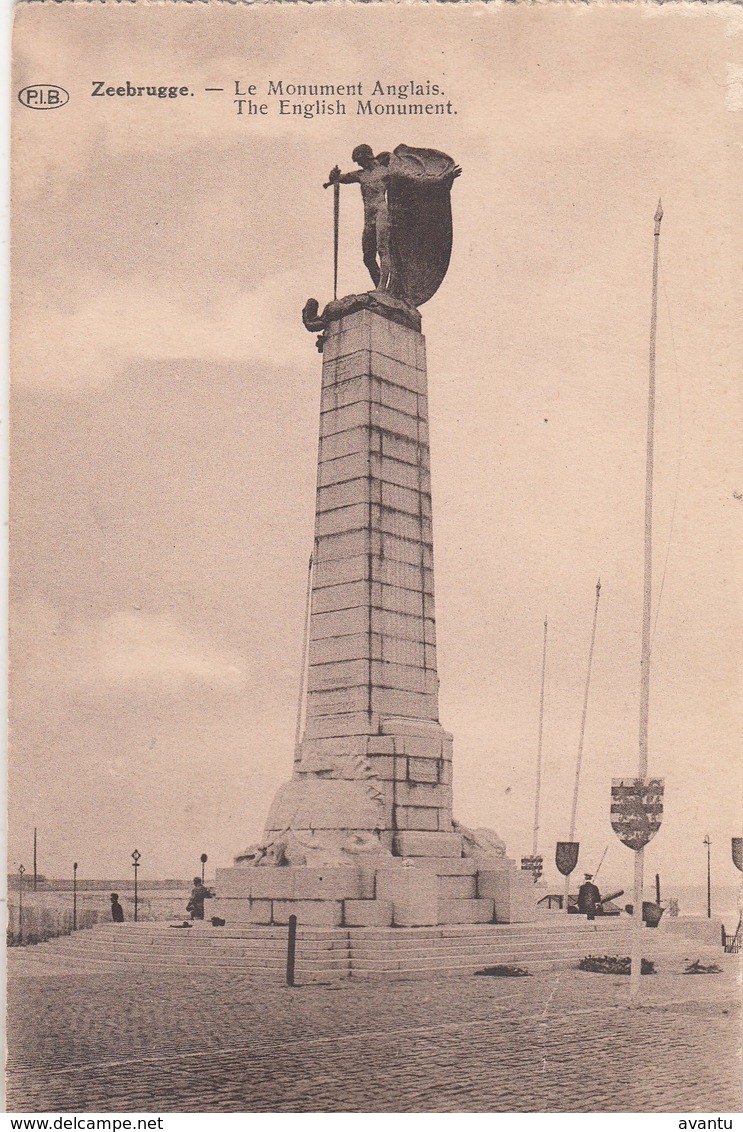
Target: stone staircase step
[(236, 951), (328, 953), (329, 934), (492, 941), (266, 950), (454, 970), (486, 958)]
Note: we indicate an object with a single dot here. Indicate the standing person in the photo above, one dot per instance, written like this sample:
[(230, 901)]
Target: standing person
[(589, 897), (117, 912), (199, 893)]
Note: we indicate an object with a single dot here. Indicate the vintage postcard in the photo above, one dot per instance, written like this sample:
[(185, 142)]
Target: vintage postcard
[(375, 579)]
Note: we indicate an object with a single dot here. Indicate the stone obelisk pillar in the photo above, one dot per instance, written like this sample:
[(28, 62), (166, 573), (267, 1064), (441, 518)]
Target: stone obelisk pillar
[(372, 685), (371, 789)]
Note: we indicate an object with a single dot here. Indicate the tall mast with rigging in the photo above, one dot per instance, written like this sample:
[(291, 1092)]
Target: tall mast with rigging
[(646, 611)]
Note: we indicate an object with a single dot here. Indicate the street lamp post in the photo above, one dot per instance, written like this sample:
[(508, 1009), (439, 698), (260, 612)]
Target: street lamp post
[(708, 843), (74, 896), (135, 862), (204, 859), (21, 871)]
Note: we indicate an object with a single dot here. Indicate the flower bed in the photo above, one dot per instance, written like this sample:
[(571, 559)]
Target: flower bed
[(505, 971), (699, 968), (613, 965)]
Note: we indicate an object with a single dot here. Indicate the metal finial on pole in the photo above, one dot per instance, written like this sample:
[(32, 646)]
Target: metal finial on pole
[(538, 784), (635, 969)]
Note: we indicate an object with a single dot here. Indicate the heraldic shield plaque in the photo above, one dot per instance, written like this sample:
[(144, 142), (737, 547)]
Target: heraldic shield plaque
[(566, 856), (636, 810)]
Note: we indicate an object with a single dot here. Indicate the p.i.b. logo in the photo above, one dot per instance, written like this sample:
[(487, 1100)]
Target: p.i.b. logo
[(43, 96)]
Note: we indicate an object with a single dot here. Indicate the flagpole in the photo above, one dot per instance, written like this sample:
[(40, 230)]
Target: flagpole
[(635, 973), (538, 786), (574, 810)]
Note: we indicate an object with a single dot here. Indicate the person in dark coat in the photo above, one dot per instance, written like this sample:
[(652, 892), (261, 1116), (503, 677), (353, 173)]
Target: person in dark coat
[(589, 897), (199, 893), (117, 912)]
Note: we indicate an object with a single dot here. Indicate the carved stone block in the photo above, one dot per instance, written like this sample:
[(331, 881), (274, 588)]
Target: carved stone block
[(457, 888), (328, 913), (512, 892), (426, 794), (419, 844), (240, 910), (367, 913), (424, 770), (255, 883), (417, 818), (465, 911), (414, 896), (445, 866), (326, 884)]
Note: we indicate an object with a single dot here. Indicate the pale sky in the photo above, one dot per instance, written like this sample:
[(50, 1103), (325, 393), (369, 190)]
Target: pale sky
[(165, 401)]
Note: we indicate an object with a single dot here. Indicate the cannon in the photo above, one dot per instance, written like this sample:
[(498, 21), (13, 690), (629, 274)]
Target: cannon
[(600, 909)]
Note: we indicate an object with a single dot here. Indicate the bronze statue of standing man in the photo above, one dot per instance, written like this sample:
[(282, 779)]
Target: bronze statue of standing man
[(373, 178)]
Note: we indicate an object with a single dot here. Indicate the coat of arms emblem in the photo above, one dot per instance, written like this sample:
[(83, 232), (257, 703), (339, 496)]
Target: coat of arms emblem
[(636, 810)]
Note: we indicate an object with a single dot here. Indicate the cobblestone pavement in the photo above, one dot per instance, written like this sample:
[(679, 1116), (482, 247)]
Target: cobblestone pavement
[(566, 1041)]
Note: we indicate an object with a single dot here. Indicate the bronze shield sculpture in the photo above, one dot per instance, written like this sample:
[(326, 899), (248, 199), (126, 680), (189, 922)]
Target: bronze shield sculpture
[(419, 199), (636, 810), (566, 856)]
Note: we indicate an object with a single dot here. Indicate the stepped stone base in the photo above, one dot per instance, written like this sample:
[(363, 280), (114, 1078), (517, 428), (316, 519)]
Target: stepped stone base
[(326, 952), (411, 891)]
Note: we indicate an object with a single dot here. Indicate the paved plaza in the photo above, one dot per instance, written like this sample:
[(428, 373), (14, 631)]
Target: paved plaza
[(556, 1042)]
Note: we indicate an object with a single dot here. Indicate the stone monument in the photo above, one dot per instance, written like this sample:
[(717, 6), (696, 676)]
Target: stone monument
[(363, 833)]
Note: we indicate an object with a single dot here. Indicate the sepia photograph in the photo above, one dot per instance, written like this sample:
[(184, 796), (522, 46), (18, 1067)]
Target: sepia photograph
[(374, 587)]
